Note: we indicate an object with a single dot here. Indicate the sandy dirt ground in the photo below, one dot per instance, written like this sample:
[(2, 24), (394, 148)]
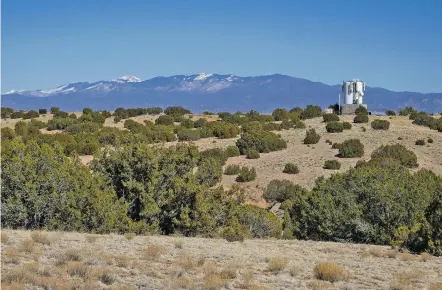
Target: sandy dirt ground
[(84, 261)]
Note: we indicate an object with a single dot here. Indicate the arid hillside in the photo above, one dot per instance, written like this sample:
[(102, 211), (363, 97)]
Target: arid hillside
[(309, 158), (57, 260)]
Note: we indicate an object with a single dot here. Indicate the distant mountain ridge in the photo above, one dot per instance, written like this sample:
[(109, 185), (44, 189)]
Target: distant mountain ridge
[(214, 92)]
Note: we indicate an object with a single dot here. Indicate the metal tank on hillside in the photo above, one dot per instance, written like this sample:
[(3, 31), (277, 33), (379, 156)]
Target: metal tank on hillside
[(353, 95)]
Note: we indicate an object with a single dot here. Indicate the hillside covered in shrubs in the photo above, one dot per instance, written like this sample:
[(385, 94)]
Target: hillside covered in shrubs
[(135, 184)]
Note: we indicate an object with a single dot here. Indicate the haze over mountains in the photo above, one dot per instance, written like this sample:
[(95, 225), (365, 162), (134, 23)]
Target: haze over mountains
[(213, 92)]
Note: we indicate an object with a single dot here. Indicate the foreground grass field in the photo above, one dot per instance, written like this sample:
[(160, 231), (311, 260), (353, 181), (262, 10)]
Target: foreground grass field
[(57, 260)]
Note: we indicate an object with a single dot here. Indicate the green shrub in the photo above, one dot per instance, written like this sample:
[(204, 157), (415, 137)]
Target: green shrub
[(6, 112), (106, 114), (259, 222), (232, 169), (185, 134), (332, 164), (330, 117), (252, 154), (61, 114), (235, 232), (251, 127), (88, 146), (209, 172), (430, 140), (200, 123), (311, 112), (176, 110), (38, 124), (280, 114), (216, 153), (299, 125), (8, 134), (59, 123), (360, 118), (420, 142), (291, 168), (31, 114), (361, 110), (287, 124), (54, 110), (272, 126), (391, 113), (205, 132), (188, 123), (311, 137), (380, 125), (154, 111), (351, 148), (232, 151), (337, 145), (224, 130), (165, 120), (334, 127), (84, 127), (398, 152), (246, 174), (407, 111), (117, 119), (72, 116), (93, 205), (283, 190), (347, 125), (261, 141)]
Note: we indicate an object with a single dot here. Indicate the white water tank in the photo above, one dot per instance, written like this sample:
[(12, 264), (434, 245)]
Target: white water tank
[(353, 91)]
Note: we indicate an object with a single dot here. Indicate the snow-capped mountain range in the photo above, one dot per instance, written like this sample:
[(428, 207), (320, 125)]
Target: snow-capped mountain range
[(207, 91)]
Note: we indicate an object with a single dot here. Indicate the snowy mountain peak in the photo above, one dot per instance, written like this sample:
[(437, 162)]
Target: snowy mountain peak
[(129, 79), (202, 76)]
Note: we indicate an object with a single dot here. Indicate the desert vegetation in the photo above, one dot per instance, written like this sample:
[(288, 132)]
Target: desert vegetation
[(177, 173)]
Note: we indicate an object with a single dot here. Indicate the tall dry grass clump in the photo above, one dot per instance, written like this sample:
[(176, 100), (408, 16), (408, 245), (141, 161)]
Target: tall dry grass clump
[(277, 264), (329, 272), (4, 238), (41, 237), (153, 252)]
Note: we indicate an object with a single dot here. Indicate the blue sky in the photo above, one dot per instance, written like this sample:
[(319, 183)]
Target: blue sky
[(392, 44)]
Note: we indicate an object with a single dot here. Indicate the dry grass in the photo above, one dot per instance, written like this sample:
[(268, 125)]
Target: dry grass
[(435, 286), (27, 246), (78, 269), (73, 255), (329, 272), (41, 237), (153, 252), (178, 244), (123, 261), (106, 276), (404, 280), (186, 261), (11, 255), (229, 271), (4, 238), (74, 263), (91, 238), (408, 257), (425, 257), (129, 236), (277, 264), (320, 285)]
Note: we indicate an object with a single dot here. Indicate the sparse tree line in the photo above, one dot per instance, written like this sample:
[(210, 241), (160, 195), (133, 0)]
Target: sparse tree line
[(132, 186)]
